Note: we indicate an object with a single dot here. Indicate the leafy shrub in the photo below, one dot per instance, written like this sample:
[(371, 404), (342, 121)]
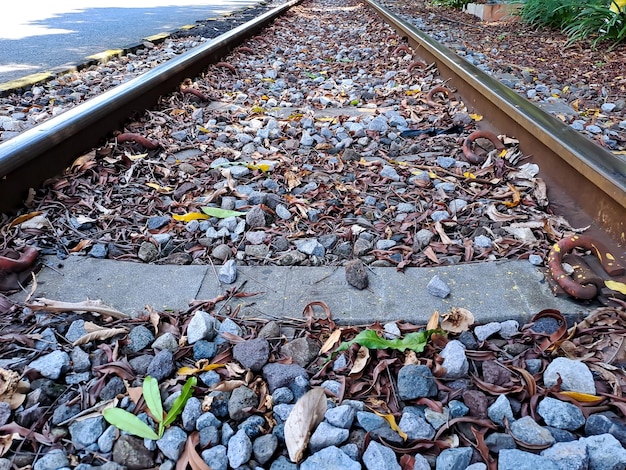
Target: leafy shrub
[(598, 23), (458, 4), (552, 13)]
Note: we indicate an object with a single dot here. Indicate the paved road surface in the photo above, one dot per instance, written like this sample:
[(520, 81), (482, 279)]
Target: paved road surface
[(38, 36)]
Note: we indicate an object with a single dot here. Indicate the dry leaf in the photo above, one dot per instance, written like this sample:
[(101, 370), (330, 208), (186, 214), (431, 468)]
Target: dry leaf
[(98, 334), (307, 413), (496, 216), (155, 319), (95, 306), (433, 321), (583, 397), (197, 370), (293, 180), (457, 320), (362, 358), (10, 388), (331, 341), (391, 419), (6, 441), (228, 386), (23, 218), (190, 456)]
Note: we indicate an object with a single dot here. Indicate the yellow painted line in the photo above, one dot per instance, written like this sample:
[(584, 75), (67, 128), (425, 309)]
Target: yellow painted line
[(26, 81), (106, 54), (157, 37)]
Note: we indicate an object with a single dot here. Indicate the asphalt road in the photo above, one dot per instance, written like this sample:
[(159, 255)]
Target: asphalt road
[(43, 36)]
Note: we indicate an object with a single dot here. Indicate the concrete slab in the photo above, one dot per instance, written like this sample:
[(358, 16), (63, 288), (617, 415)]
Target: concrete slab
[(493, 291)]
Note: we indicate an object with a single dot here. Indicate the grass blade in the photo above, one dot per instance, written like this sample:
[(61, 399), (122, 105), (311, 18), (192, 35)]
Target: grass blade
[(179, 403)]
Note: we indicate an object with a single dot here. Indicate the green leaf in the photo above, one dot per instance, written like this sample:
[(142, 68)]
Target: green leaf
[(128, 422), (221, 213), (369, 338), (152, 395), (179, 403)]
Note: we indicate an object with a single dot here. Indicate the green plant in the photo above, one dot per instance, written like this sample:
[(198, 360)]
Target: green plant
[(598, 23), (130, 423), (459, 4), (550, 13)]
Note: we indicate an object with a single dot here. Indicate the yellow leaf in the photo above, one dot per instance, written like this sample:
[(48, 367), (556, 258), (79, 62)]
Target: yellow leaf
[(134, 158), (617, 286), (24, 218), (190, 216), (582, 397), (620, 152), (265, 97), (159, 188), (203, 129), (257, 110), (517, 197), (574, 104), (432, 174), (185, 370), (328, 119), (412, 92), (469, 174), (264, 167), (476, 117), (392, 422), (502, 153)]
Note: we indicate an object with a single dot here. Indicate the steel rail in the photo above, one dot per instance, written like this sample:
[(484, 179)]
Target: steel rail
[(47, 149), (566, 158)]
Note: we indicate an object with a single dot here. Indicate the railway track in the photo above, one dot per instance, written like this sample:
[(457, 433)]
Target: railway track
[(586, 184)]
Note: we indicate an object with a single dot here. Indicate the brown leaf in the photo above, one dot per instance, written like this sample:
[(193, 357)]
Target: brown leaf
[(10, 388), (457, 320), (433, 321), (5, 443), (362, 358), (331, 341), (307, 413), (99, 334), (190, 455), (155, 319)]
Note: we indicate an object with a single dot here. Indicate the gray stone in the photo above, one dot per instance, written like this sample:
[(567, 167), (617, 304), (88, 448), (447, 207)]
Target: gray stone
[(389, 172), (438, 216), (282, 411), (282, 395), (222, 252), (445, 162), (252, 354), (264, 447), (283, 212), (605, 452), (52, 460), (330, 458), (227, 433), (423, 237), (252, 426), (437, 287), (240, 399), (457, 408), (166, 341), (227, 326), (76, 330), (416, 381), (113, 387), (191, 412), (454, 360), (513, 459), (568, 455), (172, 442), (535, 260), (130, 452), (385, 244), (436, 419), (228, 272), (482, 241), (147, 252), (607, 422), (370, 421), (255, 217), (301, 350), (203, 349), (209, 436), (162, 366), (454, 459), (415, 425), (527, 430), (80, 360), (87, 431), (283, 463), (341, 416), (256, 237), (326, 435), (48, 340), (299, 386), (404, 207), (500, 409), (239, 449), (281, 375), (421, 463), (311, 247), (560, 414), (483, 332), (332, 386), (107, 439), (356, 274), (497, 441), (379, 457), (508, 329), (52, 365), (575, 376), (457, 205), (139, 338), (5, 413), (207, 419), (216, 457)]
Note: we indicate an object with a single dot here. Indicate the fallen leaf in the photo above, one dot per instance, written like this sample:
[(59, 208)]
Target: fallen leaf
[(221, 213), (185, 370), (10, 388), (391, 419), (306, 414), (582, 397), (616, 286), (415, 341), (457, 320), (159, 188), (99, 334), (362, 358), (476, 117), (190, 455), (5, 443), (190, 216), (81, 245), (23, 218), (293, 180), (330, 342), (433, 321)]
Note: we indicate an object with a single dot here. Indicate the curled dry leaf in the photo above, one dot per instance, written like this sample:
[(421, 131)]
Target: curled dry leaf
[(307, 413), (457, 320), (11, 388), (362, 358), (433, 321), (99, 334), (331, 341)]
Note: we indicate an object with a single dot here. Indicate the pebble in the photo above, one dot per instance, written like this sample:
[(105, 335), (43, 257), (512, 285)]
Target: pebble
[(239, 449), (454, 360), (321, 459), (252, 354), (216, 457), (438, 288), (201, 326), (172, 442), (379, 457), (416, 382), (52, 365), (560, 414), (326, 435), (228, 272), (483, 332), (574, 375)]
